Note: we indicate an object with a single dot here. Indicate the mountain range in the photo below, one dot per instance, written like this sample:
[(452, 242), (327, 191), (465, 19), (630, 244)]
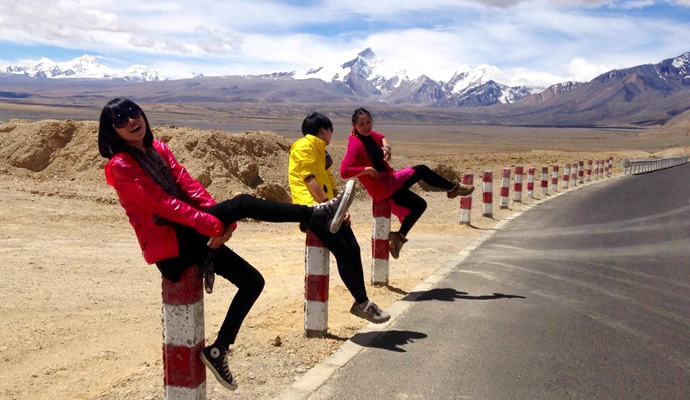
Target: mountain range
[(641, 95), (85, 66)]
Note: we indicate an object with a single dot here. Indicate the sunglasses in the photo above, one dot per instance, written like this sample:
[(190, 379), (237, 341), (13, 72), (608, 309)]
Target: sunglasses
[(120, 121)]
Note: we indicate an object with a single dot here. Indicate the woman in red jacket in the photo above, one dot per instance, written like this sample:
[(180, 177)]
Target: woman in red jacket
[(178, 223), (367, 156)]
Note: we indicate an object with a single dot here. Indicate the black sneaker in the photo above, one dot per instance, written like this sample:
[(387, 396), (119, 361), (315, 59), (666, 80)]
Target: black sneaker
[(331, 213), (215, 358), (371, 313)]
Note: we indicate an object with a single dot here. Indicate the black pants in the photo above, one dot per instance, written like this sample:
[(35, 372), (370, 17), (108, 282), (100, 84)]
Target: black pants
[(343, 244), (406, 198), (229, 265)]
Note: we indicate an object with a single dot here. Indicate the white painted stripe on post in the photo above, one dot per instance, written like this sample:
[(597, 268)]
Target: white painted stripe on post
[(183, 393), (317, 260), (379, 270), (188, 329), (318, 315), (382, 228)]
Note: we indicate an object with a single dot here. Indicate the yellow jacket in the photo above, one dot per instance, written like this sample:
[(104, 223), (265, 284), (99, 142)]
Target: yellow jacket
[(308, 157)]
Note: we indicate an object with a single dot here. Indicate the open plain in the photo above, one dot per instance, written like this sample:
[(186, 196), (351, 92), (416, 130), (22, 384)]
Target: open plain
[(80, 309)]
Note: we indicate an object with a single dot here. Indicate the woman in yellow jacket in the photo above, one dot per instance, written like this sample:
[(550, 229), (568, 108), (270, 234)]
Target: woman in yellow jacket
[(311, 182)]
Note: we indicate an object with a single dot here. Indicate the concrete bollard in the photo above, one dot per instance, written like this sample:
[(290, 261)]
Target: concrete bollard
[(566, 176), (466, 201), (517, 183), (530, 182), (316, 266), (488, 194), (554, 178), (596, 170), (610, 167), (544, 181), (573, 174), (589, 170), (183, 337), (581, 171), (379, 242), (505, 188), (601, 169)]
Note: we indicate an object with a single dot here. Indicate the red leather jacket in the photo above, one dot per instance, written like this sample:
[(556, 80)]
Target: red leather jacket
[(141, 197)]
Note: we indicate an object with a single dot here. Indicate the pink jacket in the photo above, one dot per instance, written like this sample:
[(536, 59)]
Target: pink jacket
[(141, 198), (389, 182)]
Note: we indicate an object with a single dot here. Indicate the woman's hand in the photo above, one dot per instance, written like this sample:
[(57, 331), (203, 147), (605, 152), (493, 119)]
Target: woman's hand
[(386, 152), (216, 242), (370, 171)]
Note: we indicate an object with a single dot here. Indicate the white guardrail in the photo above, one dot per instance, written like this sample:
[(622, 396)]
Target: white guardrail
[(642, 166)]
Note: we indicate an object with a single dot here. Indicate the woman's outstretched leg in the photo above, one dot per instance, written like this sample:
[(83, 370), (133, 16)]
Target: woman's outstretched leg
[(249, 283), (329, 214)]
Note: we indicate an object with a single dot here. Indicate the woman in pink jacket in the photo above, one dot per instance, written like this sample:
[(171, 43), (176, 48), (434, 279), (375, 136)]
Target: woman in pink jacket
[(367, 156), (178, 223)]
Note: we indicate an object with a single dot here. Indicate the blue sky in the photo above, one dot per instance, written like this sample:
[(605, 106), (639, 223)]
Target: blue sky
[(532, 42)]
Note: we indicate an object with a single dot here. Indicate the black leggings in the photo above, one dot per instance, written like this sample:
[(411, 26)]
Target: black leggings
[(406, 198), (343, 244), (229, 265)]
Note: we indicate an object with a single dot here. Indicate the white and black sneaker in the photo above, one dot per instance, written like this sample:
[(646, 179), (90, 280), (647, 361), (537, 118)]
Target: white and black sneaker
[(331, 213), (215, 358), (371, 312)]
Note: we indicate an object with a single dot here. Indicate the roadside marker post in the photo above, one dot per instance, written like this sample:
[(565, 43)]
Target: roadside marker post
[(379, 242), (487, 195), (316, 266), (466, 201), (183, 336)]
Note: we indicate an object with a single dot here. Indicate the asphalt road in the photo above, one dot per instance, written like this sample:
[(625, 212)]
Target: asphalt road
[(585, 296)]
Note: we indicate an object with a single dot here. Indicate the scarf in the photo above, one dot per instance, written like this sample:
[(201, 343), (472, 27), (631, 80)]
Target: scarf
[(157, 169), (374, 152)]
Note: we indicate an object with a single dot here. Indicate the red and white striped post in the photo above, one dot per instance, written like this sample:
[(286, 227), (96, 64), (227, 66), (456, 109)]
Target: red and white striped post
[(183, 337), (596, 170), (316, 266), (488, 194), (566, 176), (544, 181), (466, 201), (517, 183), (601, 169), (589, 170), (554, 178), (581, 171), (573, 174), (530, 182), (505, 188), (610, 168), (379, 242)]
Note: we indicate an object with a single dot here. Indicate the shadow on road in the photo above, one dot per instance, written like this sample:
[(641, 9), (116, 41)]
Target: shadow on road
[(388, 340), (448, 294)]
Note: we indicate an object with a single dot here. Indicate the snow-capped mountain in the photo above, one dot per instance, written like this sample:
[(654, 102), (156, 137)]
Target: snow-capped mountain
[(85, 66), (372, 77)]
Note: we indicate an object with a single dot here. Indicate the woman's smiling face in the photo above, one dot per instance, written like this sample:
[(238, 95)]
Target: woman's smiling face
[(363, 124), (133, 133)]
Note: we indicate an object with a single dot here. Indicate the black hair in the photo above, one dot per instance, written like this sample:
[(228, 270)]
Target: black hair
[(314, 122), (109, 142), (358, 112)]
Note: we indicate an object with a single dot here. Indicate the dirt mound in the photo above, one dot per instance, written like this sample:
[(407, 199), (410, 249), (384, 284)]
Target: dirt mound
[(226, 163)]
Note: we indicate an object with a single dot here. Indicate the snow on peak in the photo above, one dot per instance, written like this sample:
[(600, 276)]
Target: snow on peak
[(86, 66)]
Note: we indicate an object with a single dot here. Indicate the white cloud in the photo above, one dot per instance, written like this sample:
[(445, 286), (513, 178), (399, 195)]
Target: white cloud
[(545, 40), (582, 71)]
